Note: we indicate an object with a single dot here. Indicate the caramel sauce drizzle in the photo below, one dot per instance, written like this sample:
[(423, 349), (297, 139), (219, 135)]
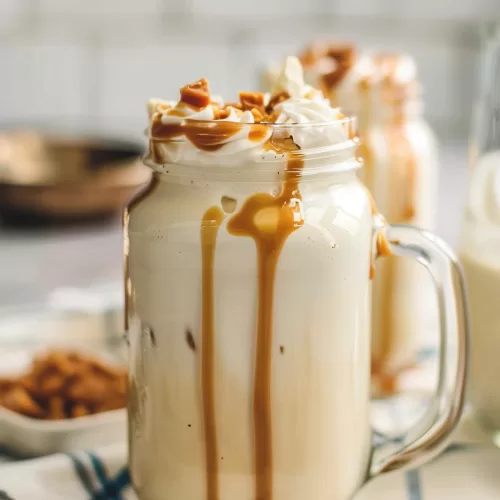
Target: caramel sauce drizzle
[(210, 224), (204, 135), (269, 221), (382, 246)]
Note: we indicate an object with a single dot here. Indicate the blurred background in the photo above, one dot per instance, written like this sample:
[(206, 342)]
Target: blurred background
[(89, 67)]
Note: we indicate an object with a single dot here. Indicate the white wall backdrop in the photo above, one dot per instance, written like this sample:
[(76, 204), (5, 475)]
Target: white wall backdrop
[(97, 61), (94, 63)]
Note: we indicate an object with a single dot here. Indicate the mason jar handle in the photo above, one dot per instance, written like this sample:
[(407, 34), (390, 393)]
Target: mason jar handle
[(430, 434)]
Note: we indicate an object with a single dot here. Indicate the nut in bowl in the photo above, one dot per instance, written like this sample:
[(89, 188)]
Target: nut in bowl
[(62, 381), (61, 385)]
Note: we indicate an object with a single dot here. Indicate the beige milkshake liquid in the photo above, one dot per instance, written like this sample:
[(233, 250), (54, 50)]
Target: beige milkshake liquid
[(483, 283), (313, 422), (480, 258)]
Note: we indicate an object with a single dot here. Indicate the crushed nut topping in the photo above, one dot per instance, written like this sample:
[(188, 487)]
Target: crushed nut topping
[(252, 100), (221, 114), (257, 115), (235, 105)]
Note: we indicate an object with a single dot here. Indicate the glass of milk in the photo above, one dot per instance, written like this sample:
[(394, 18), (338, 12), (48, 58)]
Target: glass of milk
[(480, 240)]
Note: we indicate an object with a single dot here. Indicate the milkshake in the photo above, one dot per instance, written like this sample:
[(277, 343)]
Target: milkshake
[(480, 258), (483, 283), (248, 266), (480, 238), (400, 170)]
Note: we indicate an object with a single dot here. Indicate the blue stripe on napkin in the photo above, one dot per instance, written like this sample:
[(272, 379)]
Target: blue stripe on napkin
[(99, 468), (82, 474), (122, 479), (412, 481), (427, 353), (109, 488), (454, 447)]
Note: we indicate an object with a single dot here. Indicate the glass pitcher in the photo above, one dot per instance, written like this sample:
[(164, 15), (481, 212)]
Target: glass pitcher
[(248, 310), (480, 238)]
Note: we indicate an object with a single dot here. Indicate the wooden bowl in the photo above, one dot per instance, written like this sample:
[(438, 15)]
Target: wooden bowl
[(66, 177)]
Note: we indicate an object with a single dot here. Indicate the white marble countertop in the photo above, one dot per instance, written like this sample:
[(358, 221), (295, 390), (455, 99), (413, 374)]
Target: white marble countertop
[(32, 264)]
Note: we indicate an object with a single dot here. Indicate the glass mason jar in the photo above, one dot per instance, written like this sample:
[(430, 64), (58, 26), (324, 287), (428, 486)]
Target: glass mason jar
[(480, 239), (401, 163), (400, 156), (248, 315)]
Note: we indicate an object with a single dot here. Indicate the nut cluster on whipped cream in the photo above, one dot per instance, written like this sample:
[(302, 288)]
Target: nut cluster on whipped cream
[(200, 124)]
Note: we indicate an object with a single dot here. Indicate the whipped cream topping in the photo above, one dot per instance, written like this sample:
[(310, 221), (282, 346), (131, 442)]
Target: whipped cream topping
[(158, 105), (290, 80), (199, 125), (306, 105)]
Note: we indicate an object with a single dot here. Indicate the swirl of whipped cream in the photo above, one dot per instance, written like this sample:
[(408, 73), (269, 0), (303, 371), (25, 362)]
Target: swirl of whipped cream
[(295, 104), (307, 105), (291, 81)]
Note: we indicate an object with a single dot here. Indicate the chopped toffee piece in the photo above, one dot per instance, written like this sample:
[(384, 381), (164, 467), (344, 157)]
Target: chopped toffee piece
[(251, 100), (196, 95)]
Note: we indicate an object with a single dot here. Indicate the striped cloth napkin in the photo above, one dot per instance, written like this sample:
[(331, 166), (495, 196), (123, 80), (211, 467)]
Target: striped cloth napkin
[(99, 475), (467, 469)]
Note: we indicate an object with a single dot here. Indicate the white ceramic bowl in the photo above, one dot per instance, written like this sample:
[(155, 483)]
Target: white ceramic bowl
[(69, 321)]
